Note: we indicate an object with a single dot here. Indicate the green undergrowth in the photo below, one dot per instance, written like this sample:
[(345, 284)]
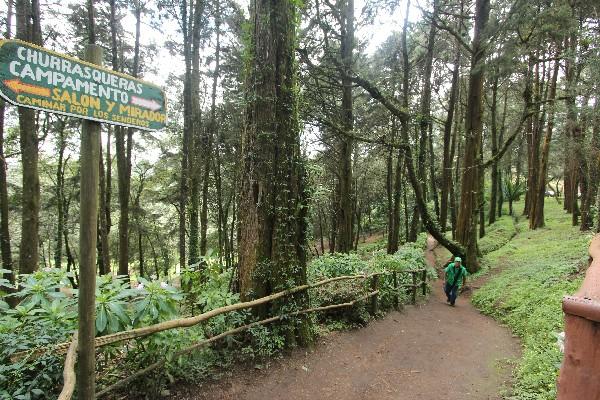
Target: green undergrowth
[(498, 234), (408, 257), (47, 315), (537, 268)]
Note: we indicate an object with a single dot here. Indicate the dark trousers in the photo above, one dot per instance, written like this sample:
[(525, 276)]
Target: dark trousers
[(451, 293)]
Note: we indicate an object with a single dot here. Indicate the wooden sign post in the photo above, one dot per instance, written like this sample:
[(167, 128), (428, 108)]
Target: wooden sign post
[(88, 231), (38, 78)]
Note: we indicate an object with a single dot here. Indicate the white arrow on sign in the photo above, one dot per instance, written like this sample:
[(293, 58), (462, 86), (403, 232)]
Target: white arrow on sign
[(149, 104)]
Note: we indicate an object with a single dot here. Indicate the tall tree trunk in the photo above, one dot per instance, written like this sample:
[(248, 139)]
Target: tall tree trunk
[(389, 180), (29, 30), (449, 141), (467, 218), (5, 250), (404, 126), (529, 132), (221, 212), (103, 251), (432, 174), (188, 128), (455, 148), (536, 216), (322, 241), (593, 170), (273, 197), (541, 96), (494, 167), (500, 186), (571, 182), (345, 143), (425, 120), (481, 199), (60, 187), (198, 134), (395, 234), (210, 133)]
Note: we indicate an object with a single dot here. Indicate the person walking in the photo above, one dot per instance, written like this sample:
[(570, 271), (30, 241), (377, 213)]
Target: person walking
[(455, 276)]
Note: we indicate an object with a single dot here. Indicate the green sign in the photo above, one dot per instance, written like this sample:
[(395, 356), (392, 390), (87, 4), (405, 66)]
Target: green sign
[(34, 77)]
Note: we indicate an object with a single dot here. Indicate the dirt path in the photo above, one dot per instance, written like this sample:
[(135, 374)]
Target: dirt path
[(429, 351)]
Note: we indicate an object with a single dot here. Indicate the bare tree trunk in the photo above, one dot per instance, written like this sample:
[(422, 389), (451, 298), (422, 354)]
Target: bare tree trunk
[(426, 104), (536, 216), (211, 132), (432, 174), (455, 148), (345, 145), (500, 186), (221, 213), (494, 167), (593, 178), (449, 140), (395, 233), (391, 221), (188, 128), (29, 29), (481, 199), (103, 251), (60, 187), (198, 143)]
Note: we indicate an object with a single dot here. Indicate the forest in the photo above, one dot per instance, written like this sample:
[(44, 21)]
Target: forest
[(305, 140)]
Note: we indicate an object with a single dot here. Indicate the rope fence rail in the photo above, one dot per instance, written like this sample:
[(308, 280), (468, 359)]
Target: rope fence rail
[(70, 348)]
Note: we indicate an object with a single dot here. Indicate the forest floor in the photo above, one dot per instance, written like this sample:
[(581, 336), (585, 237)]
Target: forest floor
[(429, 351)]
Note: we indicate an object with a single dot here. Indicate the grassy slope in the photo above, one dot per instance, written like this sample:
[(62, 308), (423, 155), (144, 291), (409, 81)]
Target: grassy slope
[(539, 268)]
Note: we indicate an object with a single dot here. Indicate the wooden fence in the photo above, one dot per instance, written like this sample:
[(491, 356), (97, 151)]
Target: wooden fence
[(580, 372), (419, 281)]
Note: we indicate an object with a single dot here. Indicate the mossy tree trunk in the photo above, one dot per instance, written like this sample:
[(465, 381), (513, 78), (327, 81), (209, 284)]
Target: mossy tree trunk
[(272, 212), (466, 230), (29, 30)]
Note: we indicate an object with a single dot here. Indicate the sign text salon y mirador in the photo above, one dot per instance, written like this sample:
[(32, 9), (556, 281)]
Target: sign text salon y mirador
[(31, 76)]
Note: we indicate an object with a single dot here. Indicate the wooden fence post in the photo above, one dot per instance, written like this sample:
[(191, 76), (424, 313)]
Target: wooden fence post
[(424, 283), (414, 287), (374, 298), (580, 372), (89, 165), (396, 294)]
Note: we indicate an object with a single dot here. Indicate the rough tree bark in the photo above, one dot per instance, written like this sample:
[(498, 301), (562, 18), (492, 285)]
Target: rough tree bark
[(494, 167), (187, 135), (345, 143), (272, 237), (506, 164), (425, 117), (59, 193), (211, 132), (394, 185), (196, 139), (448, 141), (466, 230)]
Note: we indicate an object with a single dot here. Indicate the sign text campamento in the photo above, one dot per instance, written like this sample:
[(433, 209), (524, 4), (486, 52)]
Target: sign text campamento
[(34, 77)]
